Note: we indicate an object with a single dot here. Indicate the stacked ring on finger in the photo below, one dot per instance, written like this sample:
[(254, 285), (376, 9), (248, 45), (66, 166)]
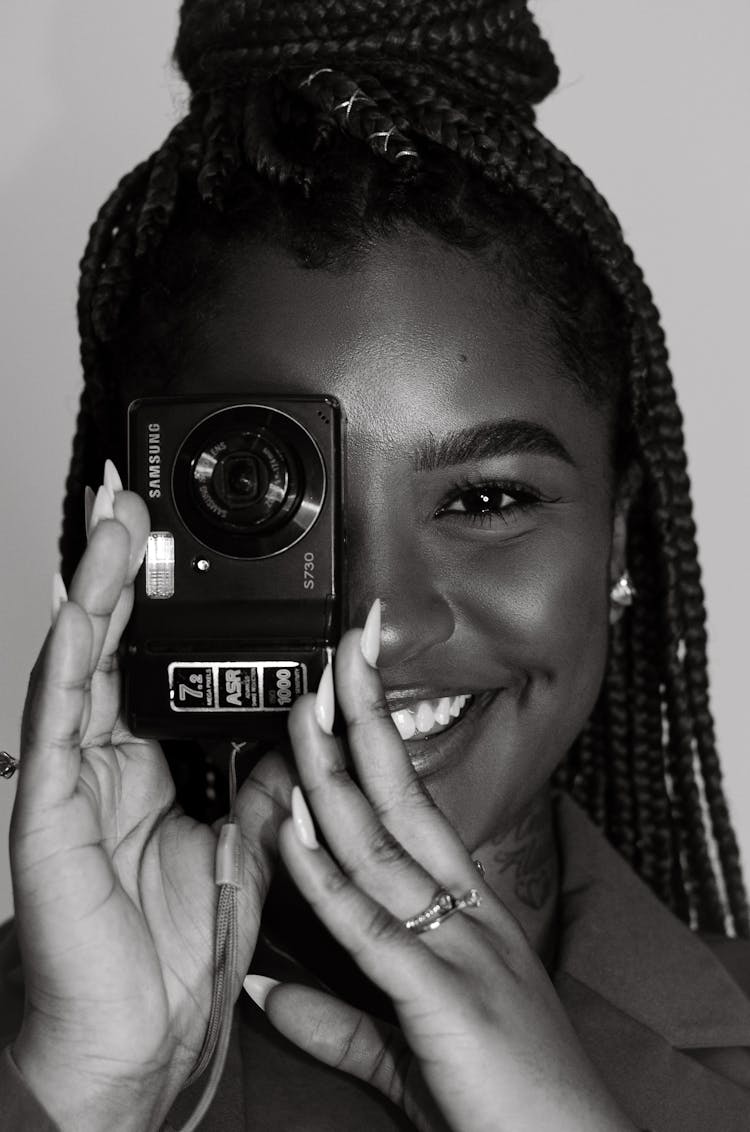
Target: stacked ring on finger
[(442, 905)]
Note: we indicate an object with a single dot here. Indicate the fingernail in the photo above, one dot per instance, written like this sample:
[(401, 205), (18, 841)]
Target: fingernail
[(369, 642), (89, 495), (102, 508), (258, 986), (59, 594), (324, 702), (112, 480), (303, 823)]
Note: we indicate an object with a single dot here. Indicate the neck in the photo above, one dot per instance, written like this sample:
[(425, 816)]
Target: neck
[(521, 866)]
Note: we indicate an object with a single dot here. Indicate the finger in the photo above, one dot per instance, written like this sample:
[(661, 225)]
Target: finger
[(99, 579), (51, 735), (358, 839), (131, 512), (384, 769), (393, 957), (342, 1036)]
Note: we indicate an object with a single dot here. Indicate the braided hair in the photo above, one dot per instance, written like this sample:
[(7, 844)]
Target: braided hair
[(323, 124)]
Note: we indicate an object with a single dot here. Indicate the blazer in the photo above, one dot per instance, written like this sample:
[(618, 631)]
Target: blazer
[(663, 1014)]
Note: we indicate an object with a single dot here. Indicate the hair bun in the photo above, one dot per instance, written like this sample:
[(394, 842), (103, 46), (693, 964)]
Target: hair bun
[(490, 51)]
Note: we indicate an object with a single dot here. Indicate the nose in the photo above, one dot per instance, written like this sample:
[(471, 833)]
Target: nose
[(386, 560)]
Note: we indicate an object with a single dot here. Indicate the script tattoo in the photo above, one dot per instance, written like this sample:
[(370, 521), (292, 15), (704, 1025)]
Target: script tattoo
[(530, 850)]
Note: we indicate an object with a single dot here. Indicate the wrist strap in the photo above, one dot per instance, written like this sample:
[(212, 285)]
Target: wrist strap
[(228, 876)]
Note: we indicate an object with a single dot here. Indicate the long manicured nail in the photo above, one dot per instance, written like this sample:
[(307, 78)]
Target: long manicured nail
[(324, 702), (258, 986), (59, 594), (89, 496), (303, 823), (369, 642), (112, 480), (102, 508)]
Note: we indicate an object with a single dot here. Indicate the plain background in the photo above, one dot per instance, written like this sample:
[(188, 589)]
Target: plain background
[(653, 104)]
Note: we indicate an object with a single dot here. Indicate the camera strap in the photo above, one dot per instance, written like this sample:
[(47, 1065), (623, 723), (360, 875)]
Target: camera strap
[(228, 878)]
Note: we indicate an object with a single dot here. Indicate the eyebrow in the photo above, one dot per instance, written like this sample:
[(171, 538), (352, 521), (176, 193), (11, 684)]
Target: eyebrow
[(484, 441)]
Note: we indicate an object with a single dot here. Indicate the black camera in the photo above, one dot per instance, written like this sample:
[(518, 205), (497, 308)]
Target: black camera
[(238, 603)]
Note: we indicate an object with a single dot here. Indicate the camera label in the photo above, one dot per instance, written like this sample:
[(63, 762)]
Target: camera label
[(236, 685), (238, 688), (191, 687), (154, 460)]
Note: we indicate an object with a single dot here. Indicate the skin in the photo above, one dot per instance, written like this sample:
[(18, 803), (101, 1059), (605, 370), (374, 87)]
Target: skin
[(417, 341)]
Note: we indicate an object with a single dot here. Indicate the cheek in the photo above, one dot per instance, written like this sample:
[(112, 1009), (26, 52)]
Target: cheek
[(542, 608), (543, 616), (567, 621)]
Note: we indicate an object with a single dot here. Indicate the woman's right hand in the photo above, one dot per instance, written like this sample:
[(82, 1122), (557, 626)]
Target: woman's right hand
[(113, 884)]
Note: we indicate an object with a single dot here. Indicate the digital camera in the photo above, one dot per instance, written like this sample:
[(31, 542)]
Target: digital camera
[(238, 603)]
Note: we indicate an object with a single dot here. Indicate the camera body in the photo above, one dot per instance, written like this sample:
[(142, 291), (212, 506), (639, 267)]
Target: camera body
[(238, 603)]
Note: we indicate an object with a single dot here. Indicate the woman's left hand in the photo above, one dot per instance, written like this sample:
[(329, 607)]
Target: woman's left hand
[(484, 1042)]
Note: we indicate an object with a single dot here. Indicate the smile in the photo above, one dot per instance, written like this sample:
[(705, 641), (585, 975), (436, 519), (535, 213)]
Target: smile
[(425, 718)]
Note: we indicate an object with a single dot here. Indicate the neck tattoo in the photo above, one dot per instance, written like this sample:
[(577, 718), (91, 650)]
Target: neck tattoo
[(529, 850)]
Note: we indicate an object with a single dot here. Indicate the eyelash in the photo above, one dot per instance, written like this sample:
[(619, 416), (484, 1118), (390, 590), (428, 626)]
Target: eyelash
[(525, 499)]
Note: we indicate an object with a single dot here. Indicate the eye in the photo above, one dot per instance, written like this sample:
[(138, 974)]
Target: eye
[(482, 503)]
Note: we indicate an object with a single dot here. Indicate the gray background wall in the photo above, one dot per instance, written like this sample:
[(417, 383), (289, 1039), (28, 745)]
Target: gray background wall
[(653, 104)]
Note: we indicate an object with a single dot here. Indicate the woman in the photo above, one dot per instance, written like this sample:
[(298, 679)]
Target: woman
[(358, 204)]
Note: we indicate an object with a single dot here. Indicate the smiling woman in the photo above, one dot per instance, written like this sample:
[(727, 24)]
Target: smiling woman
[(517, 852)]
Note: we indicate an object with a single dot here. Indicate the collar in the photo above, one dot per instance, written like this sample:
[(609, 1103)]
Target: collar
[(620, 941)]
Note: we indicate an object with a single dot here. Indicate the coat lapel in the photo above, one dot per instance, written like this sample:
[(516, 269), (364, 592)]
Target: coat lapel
[(660, 1017)]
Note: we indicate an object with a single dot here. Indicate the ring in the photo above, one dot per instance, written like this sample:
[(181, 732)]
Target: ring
[(442, 905), (8, 765)]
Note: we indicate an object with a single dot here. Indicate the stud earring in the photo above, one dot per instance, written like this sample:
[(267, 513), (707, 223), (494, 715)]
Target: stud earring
[(623, 592)]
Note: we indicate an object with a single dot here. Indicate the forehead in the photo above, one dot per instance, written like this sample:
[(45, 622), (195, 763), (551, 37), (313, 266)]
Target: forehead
[(416, 335)]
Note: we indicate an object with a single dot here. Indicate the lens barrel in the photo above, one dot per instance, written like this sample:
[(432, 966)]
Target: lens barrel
[(249, 481)]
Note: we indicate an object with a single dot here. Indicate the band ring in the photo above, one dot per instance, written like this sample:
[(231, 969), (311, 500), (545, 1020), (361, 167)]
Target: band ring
[(442, 905), (8, 764)]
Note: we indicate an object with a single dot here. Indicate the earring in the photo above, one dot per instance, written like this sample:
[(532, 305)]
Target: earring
[(623, 592)]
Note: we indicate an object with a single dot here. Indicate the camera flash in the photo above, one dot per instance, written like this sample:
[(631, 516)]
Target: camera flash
[(160, 564)]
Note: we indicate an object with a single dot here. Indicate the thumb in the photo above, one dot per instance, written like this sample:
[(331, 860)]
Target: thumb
[(347, 1039)]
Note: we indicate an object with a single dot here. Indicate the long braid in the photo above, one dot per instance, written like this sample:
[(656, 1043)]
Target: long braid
[(276, 88), (653, 813), (621, 825)]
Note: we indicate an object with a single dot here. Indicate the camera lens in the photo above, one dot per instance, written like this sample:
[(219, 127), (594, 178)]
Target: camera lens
[(249, 481), (243, 479)]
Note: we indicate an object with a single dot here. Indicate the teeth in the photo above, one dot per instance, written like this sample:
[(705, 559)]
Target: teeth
[(443, 710), (425, 717), (404, 721), (428, 717)]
